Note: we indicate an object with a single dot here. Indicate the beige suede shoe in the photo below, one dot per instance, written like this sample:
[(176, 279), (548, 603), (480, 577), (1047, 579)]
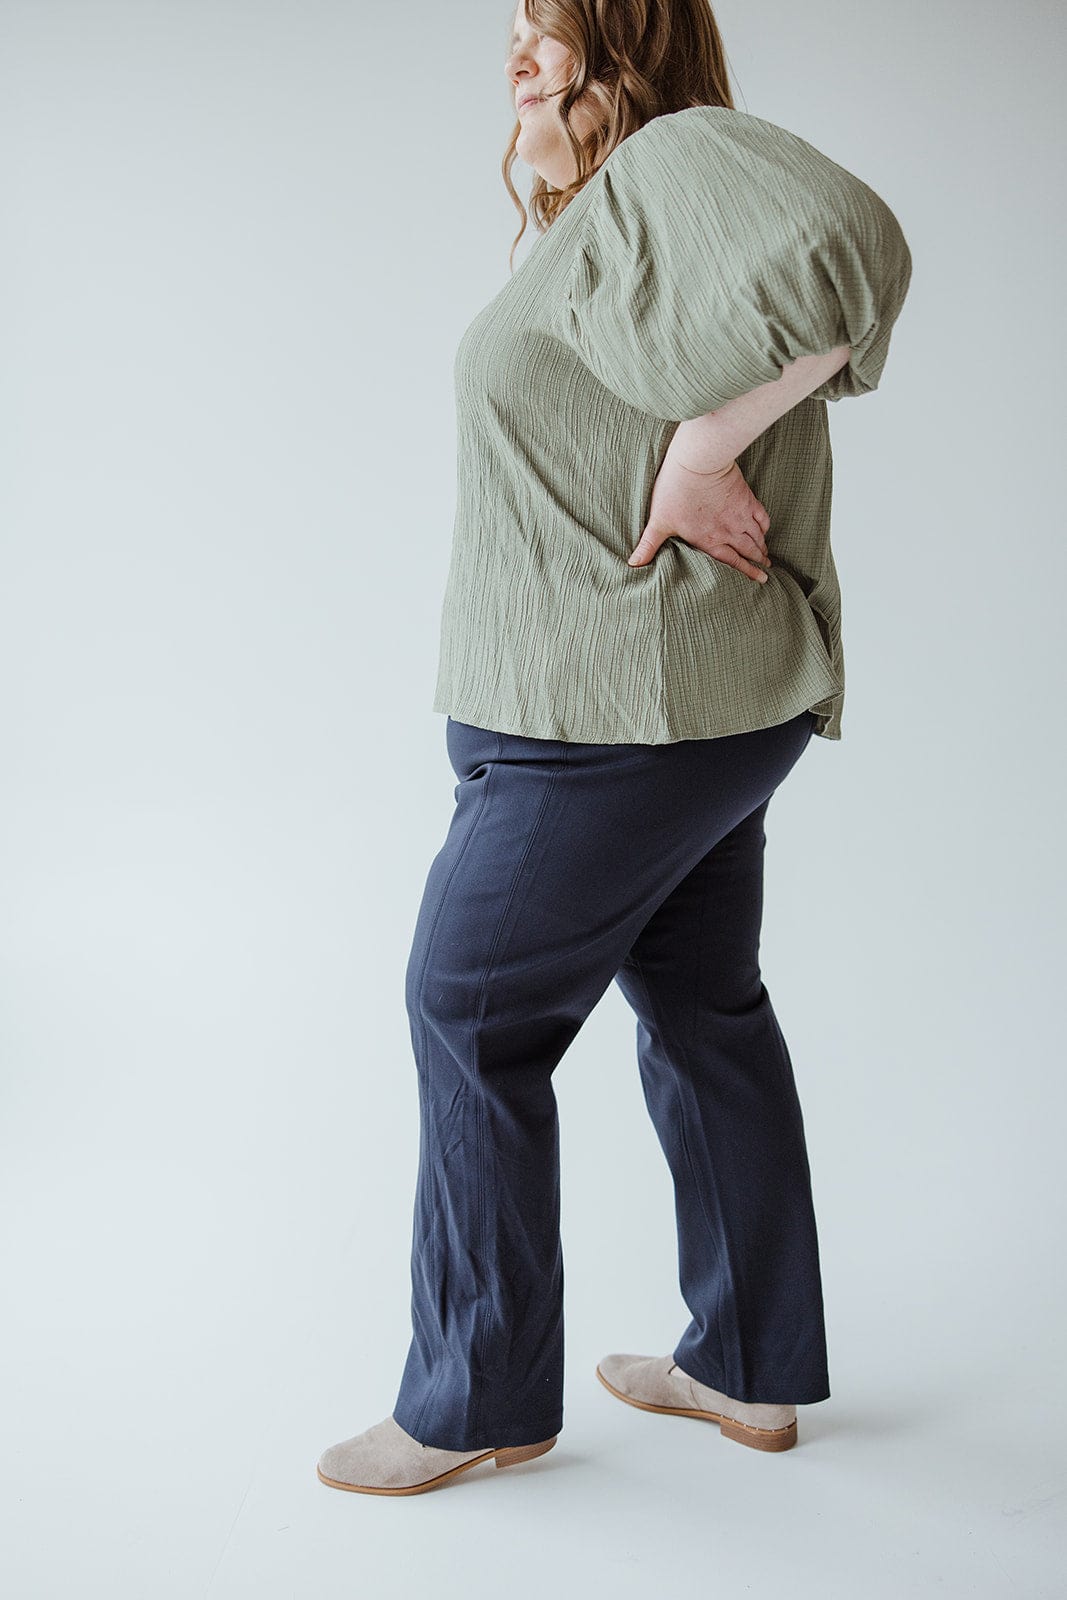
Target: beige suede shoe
[(657, 1383), (386, 1460)]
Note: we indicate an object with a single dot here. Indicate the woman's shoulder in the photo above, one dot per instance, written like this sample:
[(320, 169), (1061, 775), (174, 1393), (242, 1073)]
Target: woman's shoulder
[(694, 131), (766, 174)]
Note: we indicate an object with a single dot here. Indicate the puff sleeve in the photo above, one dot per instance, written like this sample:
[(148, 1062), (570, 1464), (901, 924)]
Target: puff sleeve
[(716, 249)]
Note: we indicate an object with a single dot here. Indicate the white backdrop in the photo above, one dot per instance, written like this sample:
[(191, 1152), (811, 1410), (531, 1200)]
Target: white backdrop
[(240, 243)]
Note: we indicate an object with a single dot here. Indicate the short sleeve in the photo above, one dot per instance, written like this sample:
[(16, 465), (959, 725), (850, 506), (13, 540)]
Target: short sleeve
[(716, 249)]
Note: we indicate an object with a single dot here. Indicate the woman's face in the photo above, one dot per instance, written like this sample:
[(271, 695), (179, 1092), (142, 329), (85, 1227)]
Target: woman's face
[(537, 70)]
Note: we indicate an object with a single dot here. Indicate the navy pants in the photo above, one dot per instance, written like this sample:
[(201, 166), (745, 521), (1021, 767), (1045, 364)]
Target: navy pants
[(567, 865)]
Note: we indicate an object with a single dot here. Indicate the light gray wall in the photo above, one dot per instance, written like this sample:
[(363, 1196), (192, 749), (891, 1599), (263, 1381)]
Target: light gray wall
[(240, 242)]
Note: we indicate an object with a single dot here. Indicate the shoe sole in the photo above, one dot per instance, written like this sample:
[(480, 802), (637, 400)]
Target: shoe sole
[(756, 1438), (509, 1456)]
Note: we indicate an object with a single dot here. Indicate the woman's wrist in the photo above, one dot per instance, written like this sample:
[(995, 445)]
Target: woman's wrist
[(711, 443), (703, 445), (702, 463)]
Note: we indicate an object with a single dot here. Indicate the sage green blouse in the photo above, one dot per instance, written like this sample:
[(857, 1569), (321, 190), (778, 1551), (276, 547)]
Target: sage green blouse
[(708, 251)]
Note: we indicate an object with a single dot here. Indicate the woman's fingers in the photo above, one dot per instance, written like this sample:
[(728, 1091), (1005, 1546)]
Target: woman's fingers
[(717, 513), (731, 558), (762, 526), (753, 546)]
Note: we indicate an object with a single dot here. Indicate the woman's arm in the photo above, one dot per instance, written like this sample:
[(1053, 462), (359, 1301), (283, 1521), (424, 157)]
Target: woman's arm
[(700, 494), (711, 442)]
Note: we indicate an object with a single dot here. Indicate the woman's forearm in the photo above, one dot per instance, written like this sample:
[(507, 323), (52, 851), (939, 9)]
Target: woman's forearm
[(712, 442)]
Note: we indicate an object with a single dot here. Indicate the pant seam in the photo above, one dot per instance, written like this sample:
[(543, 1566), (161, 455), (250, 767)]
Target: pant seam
[(655, 1014), (434, 1256), (479, 1008)]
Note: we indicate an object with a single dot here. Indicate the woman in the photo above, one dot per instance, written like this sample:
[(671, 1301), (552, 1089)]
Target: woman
[(628, 676)]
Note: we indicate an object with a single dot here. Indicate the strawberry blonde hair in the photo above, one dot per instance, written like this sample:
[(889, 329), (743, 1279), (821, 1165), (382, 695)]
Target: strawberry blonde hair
[(635, 60)]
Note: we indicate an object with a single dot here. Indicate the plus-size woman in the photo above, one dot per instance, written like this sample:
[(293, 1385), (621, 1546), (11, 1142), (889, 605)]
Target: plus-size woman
[(640, 635)]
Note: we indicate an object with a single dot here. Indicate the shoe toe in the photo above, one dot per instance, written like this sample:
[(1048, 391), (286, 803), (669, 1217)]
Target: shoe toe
[(386, 1457), (619, 1364), (365, 1459), (640, 1377)]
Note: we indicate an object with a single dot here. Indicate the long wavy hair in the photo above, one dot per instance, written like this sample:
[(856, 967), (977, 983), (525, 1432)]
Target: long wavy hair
[(636, 59)]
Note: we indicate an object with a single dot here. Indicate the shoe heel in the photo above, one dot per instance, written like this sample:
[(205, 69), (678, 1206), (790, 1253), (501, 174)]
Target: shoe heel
[(513, 1454), (760, 1438)]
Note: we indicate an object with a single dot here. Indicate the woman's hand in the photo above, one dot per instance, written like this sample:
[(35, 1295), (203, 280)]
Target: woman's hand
[(713, 511)]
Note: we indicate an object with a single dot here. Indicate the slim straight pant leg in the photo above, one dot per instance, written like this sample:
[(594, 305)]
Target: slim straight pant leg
[(719, 1085), (558, 855)]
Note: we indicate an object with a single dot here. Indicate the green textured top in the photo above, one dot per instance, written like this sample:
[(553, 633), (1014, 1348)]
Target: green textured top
[(708, 251)]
